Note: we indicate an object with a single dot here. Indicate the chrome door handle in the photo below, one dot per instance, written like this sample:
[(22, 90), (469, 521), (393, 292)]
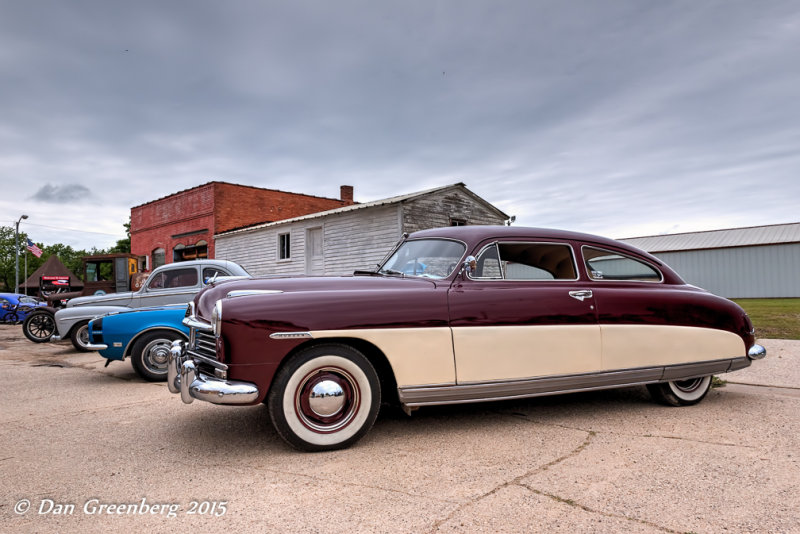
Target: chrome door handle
[(581, 294)]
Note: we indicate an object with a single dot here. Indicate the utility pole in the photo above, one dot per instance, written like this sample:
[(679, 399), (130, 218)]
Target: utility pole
[(16, 257)]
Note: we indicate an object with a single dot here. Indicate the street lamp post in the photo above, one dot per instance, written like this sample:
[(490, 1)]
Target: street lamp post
[(16, 251)]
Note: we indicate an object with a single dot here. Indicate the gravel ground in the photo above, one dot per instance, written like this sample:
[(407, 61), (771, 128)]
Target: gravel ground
[(77, 435)]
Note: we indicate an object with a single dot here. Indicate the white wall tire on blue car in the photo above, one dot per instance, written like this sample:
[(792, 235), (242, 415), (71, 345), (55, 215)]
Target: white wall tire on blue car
[(324, 398)]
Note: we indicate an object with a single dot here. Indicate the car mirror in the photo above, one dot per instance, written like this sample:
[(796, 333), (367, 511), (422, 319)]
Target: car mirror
[(470, 264)]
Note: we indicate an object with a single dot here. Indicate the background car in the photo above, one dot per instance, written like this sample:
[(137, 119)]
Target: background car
[(143, 335), (486, 313), (173, 283), (15, 307)]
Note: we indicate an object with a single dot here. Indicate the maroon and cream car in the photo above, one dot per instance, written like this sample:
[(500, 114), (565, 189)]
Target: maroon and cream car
[(457, 315)]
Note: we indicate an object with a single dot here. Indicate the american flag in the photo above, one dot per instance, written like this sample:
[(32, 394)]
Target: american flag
[(36, 251)]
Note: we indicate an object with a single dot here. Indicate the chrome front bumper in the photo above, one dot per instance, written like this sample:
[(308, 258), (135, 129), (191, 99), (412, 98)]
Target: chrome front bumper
[(183, 377)]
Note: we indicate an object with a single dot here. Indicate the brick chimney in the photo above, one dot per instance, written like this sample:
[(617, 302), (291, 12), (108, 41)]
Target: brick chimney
[(346, 194)]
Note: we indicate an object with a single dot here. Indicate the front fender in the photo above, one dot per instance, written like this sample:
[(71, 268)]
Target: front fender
[(67, 318)]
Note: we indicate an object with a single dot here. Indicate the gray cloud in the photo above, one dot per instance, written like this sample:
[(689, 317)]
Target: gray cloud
[(62, 194), (617, 117)]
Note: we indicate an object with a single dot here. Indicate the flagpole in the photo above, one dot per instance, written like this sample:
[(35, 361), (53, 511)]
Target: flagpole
[(26, 272)]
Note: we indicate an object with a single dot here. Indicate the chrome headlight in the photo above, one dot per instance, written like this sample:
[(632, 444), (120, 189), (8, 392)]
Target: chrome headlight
[(216, 319)]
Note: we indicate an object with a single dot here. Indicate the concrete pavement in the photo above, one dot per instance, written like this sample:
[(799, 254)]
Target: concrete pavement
[(77, 436)]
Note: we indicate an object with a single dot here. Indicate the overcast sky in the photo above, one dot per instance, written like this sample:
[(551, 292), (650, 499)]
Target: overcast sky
[(621, 118)]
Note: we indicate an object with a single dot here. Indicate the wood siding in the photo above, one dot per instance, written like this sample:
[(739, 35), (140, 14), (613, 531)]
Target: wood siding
[(353, 240), (438, 209)]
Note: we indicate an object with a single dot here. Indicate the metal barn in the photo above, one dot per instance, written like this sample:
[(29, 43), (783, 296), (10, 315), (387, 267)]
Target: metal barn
[(753, 262)]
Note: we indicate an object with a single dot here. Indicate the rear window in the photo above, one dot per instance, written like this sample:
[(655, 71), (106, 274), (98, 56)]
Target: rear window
[(173, 278), (608, 265)]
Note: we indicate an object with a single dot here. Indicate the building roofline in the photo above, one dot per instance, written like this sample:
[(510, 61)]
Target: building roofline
[(709, 231), (221, 182), (399, 199)]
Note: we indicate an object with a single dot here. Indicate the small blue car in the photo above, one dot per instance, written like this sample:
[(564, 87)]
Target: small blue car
[(14, 307), (144, 334)]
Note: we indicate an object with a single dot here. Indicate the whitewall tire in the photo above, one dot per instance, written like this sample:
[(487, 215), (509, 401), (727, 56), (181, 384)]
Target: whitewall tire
[(681, 392), (326, 397)]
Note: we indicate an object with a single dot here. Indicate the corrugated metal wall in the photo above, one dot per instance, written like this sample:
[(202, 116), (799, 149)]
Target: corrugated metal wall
[(743, 272)]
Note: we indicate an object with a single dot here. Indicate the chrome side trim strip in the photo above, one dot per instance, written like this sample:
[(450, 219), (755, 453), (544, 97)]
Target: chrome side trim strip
[(248, 292), (95, 346), (535, 387), (291, 335)]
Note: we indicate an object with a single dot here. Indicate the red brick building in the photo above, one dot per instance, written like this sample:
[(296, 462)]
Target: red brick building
[(181, 226)]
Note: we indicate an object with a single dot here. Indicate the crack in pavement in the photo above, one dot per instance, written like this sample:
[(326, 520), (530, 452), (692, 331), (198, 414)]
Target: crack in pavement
[(567, 427), (570, 502), (516, 481), (248, 470)]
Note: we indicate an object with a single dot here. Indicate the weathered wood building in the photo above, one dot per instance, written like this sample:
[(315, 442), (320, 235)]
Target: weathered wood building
[(340, 241)]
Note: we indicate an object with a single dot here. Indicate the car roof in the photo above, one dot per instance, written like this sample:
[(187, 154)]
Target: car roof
[(477, 233)]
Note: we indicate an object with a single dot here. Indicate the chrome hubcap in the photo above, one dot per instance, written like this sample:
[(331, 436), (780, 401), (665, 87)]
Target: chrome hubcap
[(159, 355), (155, 356), (326, 398)]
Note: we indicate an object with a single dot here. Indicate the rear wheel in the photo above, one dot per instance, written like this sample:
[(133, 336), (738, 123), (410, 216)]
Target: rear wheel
[(325, 398), (10, 318), (681, 392), (79, 335), (39, 326), (150, 355)]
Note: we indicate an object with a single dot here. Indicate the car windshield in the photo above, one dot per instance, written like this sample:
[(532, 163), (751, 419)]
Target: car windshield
[(430, 258)]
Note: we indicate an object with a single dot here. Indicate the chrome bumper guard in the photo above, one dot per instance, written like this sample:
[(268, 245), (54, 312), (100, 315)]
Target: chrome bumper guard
[(756, 352), (183, 377)]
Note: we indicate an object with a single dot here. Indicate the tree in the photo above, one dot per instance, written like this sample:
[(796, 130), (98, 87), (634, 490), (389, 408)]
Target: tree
[(71, 258), (123, 245)]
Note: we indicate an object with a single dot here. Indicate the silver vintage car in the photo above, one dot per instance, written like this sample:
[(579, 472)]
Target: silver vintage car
[(173, 283)]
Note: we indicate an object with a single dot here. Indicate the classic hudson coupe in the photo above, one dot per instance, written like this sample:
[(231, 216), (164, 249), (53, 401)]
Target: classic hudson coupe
[(456, 315)]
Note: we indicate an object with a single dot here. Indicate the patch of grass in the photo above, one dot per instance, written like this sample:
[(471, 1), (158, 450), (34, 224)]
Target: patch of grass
[(773, 318), (717, 382)]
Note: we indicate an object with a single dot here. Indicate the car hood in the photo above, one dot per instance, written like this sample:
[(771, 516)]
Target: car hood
[(111, 299), (206, 299)]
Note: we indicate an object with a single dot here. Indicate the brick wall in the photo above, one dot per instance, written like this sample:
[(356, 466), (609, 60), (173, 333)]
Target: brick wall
[(197, 214), (237, 206)]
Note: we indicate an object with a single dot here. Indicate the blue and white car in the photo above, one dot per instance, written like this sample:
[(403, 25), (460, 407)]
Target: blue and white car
[(14, 307), (144, 335)]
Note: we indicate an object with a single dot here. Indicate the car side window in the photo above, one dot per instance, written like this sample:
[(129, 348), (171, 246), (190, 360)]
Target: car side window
[(526, 261), (608, 265), (174, 278), (210, 272)]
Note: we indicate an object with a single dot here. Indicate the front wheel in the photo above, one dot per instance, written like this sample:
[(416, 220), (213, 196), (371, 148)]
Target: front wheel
[(325, 398), (80, 336), (39, 326), (681, 392), (150, 355)]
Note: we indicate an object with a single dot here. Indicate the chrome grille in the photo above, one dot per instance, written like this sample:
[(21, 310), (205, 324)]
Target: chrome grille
[(204, 345)]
